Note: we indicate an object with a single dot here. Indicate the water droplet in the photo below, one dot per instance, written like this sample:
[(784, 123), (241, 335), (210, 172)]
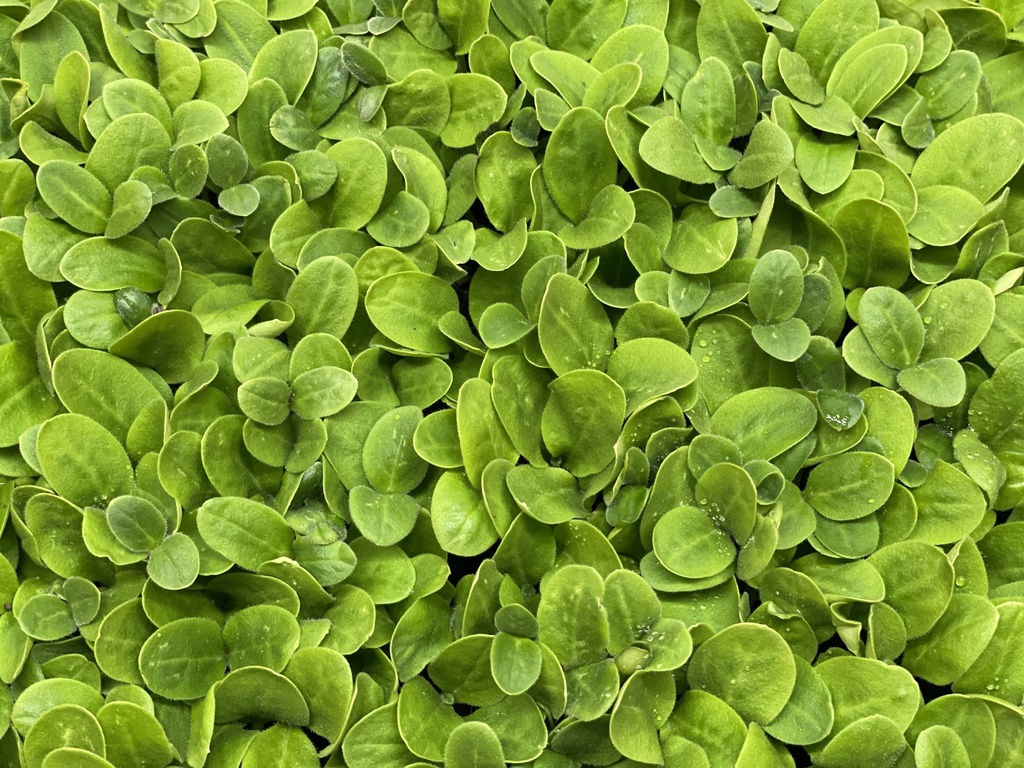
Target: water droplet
[(703, 342), (705, 358), (960, 581)]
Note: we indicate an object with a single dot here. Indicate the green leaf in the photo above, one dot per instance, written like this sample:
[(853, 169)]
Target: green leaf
[(46, 618), (122, 635), (174, 563), (376, 737), (515, 663), (892, 326), (244, 531), (776, 287), (749, 666), (477, 102), (67, 725), (26, 299), (405, 306), (257, 694), (133, 201), (940, 382), (769, 152), (24, 401), (323, 677), (918, 584), (473, 745), (764, 422), (464, 22), (944, 215), (864, 687), (383, 518), (83, 461), (808, 715), (265, 400), (943, 337), (424, 720), (100, 264), (689, 543), (117, 391), (649, 368), (877, 247), (978, 173), (849, 486), (731, 31), (701, 242), (669, 146), (608, 219), (786, 341), (133, 735), (75, 195), (481, 435), (956, 642), (583, 447), (548, 494), (170, 342), (182, 659), (830, 30), (581, 28), (998, 668), (572, 621), (579, 162), (949, 505), (825, 164), (136, 522), (421, 634), (459, 517), (321, 392), (389, 459), (502, 180), (573, 329)]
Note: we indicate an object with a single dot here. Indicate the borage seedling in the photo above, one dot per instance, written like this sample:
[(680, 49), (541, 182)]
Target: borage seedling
[(487, 382)]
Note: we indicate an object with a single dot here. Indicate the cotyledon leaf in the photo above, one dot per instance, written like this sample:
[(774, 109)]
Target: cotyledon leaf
[(448, 383)]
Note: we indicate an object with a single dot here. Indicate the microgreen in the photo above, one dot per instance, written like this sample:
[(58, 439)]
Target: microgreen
[(474, 383)]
